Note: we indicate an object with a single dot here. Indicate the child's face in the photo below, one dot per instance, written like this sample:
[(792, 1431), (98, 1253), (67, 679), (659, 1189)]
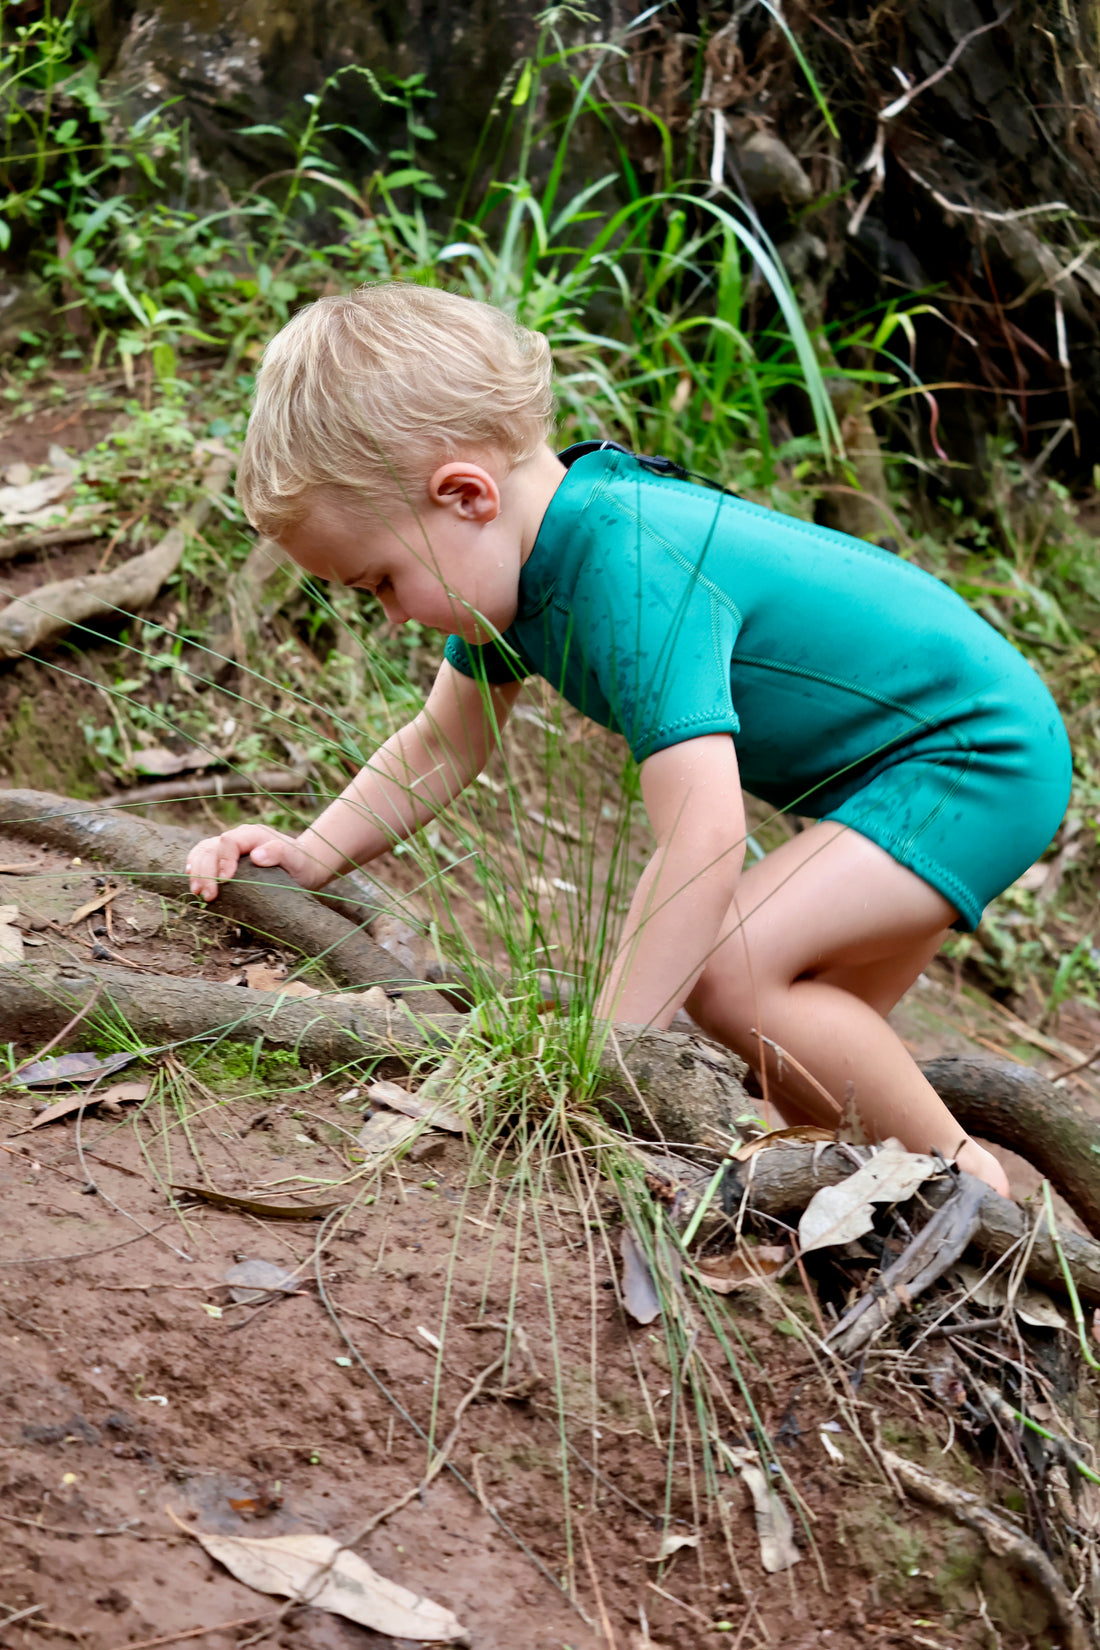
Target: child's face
[(452, 565)]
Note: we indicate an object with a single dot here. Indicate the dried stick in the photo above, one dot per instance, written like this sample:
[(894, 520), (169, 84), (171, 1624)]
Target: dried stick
[(932, 1252)]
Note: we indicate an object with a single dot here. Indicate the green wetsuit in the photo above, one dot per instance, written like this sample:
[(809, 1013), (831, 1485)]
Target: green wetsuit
[(857, 687)]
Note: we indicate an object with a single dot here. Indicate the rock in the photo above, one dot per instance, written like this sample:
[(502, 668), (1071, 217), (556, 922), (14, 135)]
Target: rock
[(235, 63), (771, 174)]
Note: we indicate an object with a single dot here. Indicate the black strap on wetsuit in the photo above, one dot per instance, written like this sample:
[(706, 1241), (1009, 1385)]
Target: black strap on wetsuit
[(656, 466)]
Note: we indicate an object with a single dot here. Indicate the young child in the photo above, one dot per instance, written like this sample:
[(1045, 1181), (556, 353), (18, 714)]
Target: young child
[(398, 444)]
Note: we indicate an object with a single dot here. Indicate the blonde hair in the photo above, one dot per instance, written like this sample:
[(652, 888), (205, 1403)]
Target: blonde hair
[(369, 391)]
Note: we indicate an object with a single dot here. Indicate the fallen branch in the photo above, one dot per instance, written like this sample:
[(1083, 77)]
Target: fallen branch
[(934, 1250), (21, 544), (1003, 1539), (269, 781), (53, 608), (264, 900), (1014, 1106)]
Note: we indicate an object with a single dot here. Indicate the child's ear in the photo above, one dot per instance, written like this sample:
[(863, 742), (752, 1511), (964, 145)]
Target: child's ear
[(467, 489)]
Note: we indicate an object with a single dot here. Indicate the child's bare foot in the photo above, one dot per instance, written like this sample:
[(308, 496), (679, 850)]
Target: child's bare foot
[(975, 1160)]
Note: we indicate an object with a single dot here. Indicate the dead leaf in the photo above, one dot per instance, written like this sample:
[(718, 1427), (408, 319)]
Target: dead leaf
[(386, 1132), (414, 1105), (802, 1134), (251, 1280), (372, 997), (842, 1213), (254, 1206), (158, 763), (19, 505), (316, 1569), (725, 1273), (640, 1295), (990, 1289), (116, 1095), (93, 905), (11, 940), (773, 1522), (256, 1506), (259, 977), (75, 1068), (672, 1544)]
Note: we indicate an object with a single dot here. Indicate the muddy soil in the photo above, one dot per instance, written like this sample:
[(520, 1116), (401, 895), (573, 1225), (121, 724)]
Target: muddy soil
[(125, 1395)]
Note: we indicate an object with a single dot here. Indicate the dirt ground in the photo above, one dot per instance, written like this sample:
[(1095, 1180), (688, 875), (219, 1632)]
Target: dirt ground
[(132, 1388)]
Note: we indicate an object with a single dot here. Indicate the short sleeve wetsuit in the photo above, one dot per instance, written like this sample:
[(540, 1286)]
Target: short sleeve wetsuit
[(856, 686)]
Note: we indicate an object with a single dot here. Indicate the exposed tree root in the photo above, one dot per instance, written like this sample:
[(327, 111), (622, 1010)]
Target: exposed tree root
[(662, 1082), (266, 901), (1014, 1106), (53, 608), (666, 1084), (1011, 1105), (1003, 1539), (266, 782)]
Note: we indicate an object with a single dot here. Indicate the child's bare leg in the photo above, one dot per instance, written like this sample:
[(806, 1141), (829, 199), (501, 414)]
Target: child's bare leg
[(810, 922), (881, 985)]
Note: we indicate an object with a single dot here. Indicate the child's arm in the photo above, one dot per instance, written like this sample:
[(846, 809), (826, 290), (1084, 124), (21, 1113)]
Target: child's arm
[(407, 781), (692, 794)]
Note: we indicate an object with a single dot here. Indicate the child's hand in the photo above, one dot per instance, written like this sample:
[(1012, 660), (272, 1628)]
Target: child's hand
[(215, 859)]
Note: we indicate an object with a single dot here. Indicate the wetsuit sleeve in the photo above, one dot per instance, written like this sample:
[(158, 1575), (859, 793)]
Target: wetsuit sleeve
[(494, 662)]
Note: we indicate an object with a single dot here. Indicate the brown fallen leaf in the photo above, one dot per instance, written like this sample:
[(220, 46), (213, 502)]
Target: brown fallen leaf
[(802, 1134), (415, 1105), (670, 1544), (743, 1266), (75, 1068), (774, 1529), (386, 1132), (255, 1206), (89, 909), (840, 1214), (251, 1280), (317, 1570), (259, 977), (111, 1099)]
